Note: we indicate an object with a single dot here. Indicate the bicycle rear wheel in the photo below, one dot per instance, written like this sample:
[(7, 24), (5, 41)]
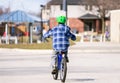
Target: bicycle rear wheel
[(63, 70)]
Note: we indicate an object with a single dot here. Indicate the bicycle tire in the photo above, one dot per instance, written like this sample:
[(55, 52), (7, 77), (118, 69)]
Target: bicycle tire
[(55, 76), (63, 71)]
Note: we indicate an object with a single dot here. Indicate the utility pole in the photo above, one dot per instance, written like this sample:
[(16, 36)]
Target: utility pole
[(41, 32), (64, 8)]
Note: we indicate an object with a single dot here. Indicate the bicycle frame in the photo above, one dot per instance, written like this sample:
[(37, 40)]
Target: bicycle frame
[(59, 61)]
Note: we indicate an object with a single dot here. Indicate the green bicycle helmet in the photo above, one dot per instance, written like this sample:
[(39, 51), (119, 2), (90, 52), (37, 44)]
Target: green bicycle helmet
[(61, 19)]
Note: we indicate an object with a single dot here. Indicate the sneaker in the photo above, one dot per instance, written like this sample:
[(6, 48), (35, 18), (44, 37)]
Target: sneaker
[(54, 71)]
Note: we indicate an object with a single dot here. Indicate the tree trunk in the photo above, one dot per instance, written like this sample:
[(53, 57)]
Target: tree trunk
[(103, 25)]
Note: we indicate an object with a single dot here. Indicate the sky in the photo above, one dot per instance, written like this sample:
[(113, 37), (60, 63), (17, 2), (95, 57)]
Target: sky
[(26, 5)]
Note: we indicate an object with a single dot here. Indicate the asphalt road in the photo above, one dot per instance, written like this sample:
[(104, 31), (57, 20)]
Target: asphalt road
[(28, 66)]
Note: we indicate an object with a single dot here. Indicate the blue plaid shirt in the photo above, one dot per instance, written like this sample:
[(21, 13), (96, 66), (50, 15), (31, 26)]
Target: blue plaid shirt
[(60, 35)]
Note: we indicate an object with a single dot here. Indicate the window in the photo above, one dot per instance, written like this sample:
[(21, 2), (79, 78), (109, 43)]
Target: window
[(90, 7), (86, 7), (61, 7)]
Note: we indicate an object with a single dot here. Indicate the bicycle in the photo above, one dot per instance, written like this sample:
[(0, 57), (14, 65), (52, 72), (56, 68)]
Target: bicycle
[(61, 67)]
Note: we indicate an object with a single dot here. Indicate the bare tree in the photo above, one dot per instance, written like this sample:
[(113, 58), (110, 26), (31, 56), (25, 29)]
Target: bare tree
[(104, 6), (7, 10), (4, 10), (1, 10)]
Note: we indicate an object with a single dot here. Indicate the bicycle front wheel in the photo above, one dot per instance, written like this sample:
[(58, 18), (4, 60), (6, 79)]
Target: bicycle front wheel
[(55, 76), (63, 70)]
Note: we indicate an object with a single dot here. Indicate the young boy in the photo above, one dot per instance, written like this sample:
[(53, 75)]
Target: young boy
[(60, 36)]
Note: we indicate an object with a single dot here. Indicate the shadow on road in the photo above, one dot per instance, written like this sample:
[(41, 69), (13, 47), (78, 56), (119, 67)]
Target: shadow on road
[(82, 80)]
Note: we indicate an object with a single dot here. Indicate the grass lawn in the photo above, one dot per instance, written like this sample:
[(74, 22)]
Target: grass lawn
[(46, 45)]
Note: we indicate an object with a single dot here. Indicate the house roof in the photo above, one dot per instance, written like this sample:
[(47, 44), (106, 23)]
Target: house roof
[(89, 16), (69, 2), (18, 16), (73, 2)]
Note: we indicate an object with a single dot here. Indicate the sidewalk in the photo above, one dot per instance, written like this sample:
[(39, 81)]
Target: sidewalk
[(96, 47), (85, 47)]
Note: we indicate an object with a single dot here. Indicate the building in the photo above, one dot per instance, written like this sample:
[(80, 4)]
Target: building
[(115, 26), (81, 17)]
